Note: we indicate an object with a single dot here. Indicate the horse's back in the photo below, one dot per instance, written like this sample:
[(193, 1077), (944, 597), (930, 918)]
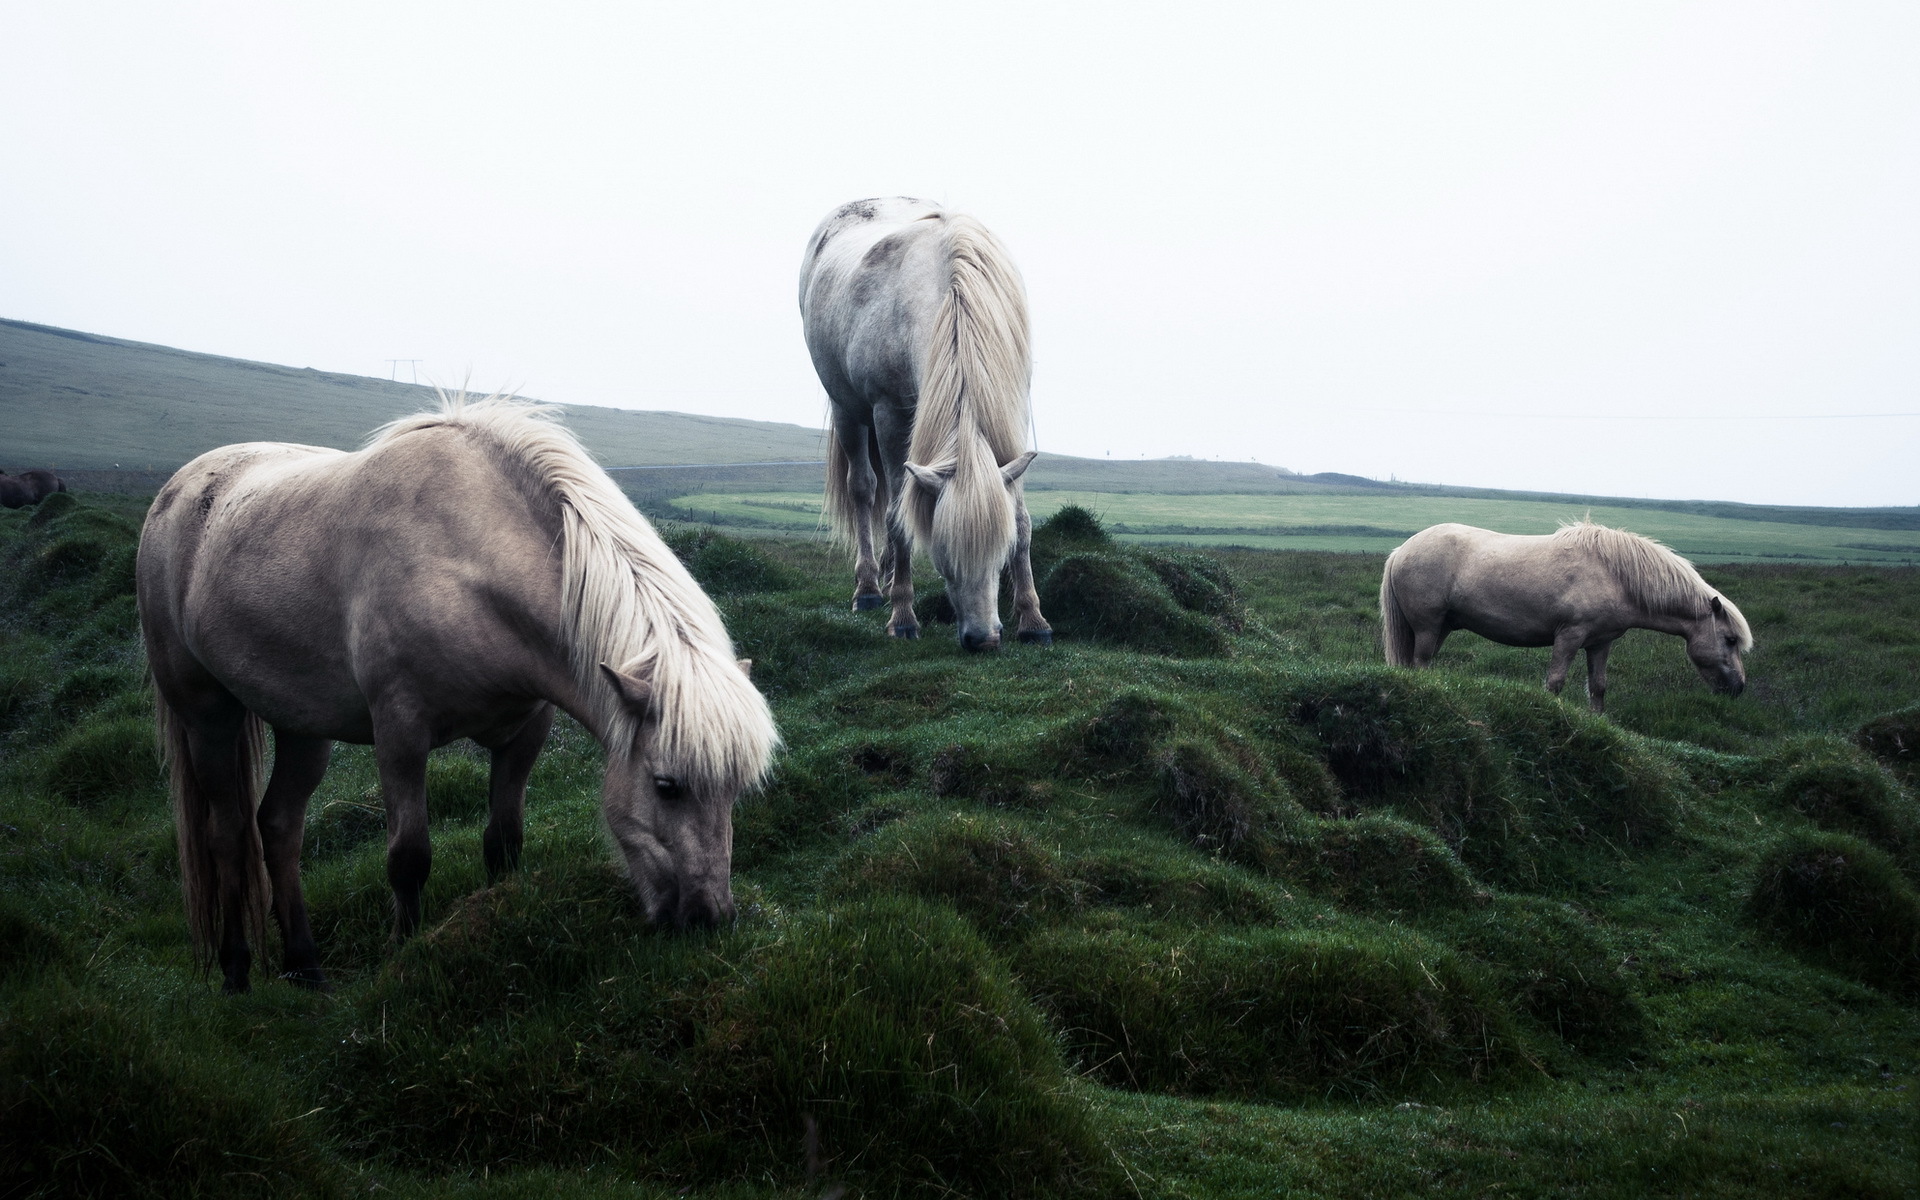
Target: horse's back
[(333, 567), (873, 278), (1513, 588)]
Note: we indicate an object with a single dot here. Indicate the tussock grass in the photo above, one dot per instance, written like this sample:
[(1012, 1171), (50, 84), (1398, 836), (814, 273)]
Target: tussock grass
[(1266, 920), (1843, 903)]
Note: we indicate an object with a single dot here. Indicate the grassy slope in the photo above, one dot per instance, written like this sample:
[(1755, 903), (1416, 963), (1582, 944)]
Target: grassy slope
[(1587, 1014), (1373, 522), (76, 400)]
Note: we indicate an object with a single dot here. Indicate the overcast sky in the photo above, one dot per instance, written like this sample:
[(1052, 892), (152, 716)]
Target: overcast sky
[(1635, 249)]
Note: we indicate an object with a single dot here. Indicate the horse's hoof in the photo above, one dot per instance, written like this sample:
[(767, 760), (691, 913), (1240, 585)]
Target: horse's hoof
[(869, 603), (910, 632), (1037, 637), (313, 979)]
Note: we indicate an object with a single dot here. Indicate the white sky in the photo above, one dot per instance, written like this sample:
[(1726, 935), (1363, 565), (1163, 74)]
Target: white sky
[(1630, 249)]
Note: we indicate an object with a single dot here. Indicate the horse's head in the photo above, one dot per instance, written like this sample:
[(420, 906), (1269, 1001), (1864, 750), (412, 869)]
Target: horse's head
[(674, 822), (1715, 644), (972, 532)]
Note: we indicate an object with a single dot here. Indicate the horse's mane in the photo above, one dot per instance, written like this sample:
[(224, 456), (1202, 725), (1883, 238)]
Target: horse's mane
[(628, 602), (1654, 576), (972, 411)]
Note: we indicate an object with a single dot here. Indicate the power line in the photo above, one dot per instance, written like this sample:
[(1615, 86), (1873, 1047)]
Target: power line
[(1721, 417)]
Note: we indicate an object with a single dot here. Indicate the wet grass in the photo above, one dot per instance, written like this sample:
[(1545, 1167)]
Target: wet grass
[(1203, 901)]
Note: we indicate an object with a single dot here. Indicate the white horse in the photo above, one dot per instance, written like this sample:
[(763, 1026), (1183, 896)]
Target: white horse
[(1577, 589), (917, 323)]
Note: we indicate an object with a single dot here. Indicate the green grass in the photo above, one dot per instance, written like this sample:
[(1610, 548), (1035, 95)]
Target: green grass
[(1237, 913), (1375, 524)]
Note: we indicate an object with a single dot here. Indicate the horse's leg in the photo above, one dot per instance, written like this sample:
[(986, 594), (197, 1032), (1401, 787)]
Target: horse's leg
[(861, 491), (216, 748), (892, 430), (513, 760), (1597, 676), (298, 765), (1031, 625), (400, 748), (1426, 644), (1566, 644)]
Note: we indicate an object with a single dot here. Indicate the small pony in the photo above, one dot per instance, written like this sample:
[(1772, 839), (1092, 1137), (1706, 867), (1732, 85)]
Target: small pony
[(461, 576), (917, 323), (1576, 589), (28, 487)]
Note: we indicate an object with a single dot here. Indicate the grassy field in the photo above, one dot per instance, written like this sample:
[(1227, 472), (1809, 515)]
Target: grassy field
[(1367, 523), (1201, 902)]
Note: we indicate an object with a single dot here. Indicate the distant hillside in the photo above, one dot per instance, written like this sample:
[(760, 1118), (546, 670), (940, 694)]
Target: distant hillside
[(121, 415), (79, 400)]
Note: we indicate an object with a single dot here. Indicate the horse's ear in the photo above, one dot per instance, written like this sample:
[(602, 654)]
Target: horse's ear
[(934, 479), (1719, 609), (634, 691), (1017, 467), (746, 667)]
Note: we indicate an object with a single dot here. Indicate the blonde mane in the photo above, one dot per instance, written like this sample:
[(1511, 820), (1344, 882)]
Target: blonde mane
[(1654, 577), (628, 603), (972, 410)]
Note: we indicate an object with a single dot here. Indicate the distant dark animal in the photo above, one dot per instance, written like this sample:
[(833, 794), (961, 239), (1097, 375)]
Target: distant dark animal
[(1580, 588), (28, 487), (917, 323), (462, 576)]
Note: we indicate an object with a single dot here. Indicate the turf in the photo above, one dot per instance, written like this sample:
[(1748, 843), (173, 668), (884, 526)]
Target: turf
[(1202, 901)]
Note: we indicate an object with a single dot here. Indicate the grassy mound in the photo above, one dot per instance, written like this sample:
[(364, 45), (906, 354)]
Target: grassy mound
[(1842, 903), (1110, 598), (95, 1101), (1894, 739), (1378, 863), (885, 1026), (1838, 789), (993, 869), (102, 761), (726, 566), (1280, 1015)]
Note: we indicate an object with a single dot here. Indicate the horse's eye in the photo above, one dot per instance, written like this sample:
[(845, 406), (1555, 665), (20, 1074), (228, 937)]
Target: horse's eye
[(667, 786)]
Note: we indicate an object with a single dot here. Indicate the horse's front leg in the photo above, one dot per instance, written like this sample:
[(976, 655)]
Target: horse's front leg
[(1566, 644), (400, 747), (1032, 627), (903, 624), (1597, 676), (299, 763), (513, 760)]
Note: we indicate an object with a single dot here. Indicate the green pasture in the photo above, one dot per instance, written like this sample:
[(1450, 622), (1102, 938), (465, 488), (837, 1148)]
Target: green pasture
[(1202, 901), (1362, 523)]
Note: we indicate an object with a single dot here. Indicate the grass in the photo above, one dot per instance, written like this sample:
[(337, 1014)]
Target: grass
[(1236, 913)]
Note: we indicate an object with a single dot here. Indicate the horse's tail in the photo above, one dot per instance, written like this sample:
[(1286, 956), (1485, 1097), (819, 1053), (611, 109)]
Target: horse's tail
[(978, 365), (1395, 632), (840, 511), (192, 819)]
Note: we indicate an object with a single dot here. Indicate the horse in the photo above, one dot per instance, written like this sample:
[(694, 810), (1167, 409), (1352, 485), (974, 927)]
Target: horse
[(1579, 588), (462, 576), (916, 320), (28, 487)]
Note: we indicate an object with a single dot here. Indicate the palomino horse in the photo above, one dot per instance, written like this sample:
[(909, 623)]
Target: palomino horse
[(28, 487), (462, 576), (917, 323), (1577, 589)]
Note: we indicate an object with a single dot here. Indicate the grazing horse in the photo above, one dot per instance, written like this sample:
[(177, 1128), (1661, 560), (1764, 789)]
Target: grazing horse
[(917, 323), (1577, 589), (28, 487), (465, 574)]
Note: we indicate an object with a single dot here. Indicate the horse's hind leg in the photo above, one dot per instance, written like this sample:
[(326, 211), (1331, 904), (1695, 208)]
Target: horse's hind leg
[(1426, 644), (862, 490), (1566, 644), (299, 763), (1031, 626), (513, 760), (400, 748)]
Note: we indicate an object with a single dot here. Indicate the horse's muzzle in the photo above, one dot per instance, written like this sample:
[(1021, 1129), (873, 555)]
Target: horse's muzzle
[(974, 641)]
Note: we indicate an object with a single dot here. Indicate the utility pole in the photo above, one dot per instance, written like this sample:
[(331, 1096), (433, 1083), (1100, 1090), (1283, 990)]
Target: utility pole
[(413, 367)]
